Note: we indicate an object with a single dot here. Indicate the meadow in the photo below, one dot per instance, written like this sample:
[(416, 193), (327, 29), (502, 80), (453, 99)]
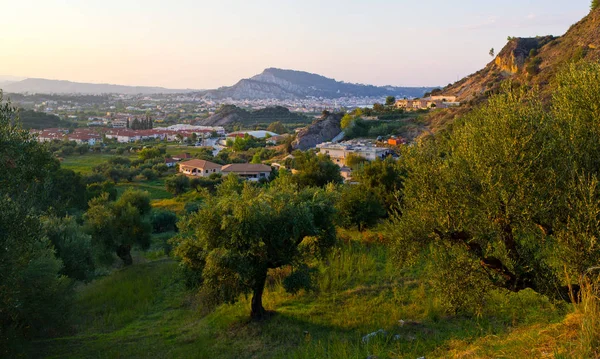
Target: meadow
[(85, 163), (145, 311)]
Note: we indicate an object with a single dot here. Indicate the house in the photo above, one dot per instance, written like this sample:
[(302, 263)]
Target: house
[(199, 168), (346, 173), (119, 123), (170, 162), (182, 156), (248, 171), (339, 152)]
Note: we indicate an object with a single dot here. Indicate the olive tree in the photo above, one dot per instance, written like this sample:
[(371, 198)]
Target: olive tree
[(234, 239), (116, 226)]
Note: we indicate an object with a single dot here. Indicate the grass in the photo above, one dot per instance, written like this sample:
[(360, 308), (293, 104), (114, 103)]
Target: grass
[(156, 189), (85, 163), (145, 311)]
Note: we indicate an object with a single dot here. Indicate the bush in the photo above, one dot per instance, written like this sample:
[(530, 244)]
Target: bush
[(163, 221), (177, 184), (73, 247), (150, 175)]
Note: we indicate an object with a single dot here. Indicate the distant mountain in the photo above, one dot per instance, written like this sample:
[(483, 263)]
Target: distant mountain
[(34, 85), (233, 115), (281, 84)]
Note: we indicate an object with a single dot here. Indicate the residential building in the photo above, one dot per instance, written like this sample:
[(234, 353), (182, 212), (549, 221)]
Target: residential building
[(170, 162), (248, 171), (200, 168), (339, 152), (182, 156)]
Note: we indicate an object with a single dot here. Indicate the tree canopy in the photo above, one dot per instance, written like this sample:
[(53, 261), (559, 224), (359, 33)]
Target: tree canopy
[(235, 238)]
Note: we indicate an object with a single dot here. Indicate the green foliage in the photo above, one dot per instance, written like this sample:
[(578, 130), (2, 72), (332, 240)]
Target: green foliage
[(149, 153), (594, 5), (73, 246), (233, 240), (116, 226), (346, 121), (177, 184), (514, 188), (277, 127), (390, 101), (34, 297), (41, 120), (246, 143), (163, 221), (315, 170), (355, 161), (357, 206), (209, 183), (385, 178)]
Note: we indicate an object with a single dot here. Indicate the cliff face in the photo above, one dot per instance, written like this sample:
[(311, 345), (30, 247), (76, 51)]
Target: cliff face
[(529, 62), (532, 61), (322, 130)]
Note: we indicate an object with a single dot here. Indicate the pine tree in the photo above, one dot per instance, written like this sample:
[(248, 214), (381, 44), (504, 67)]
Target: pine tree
[(595, 4)]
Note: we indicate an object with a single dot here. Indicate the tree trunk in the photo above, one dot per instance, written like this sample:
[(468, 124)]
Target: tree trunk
[(124, 252), (258, 312)]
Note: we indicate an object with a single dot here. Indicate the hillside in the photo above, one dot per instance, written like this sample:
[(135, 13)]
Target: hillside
[(36, 85), (40, 120), (530, 62), (533, 61), (290, 84), (233, 115)]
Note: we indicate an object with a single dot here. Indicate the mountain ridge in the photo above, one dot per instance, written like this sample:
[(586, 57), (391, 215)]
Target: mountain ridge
[(39, 85), (272, 83), (292, 84)]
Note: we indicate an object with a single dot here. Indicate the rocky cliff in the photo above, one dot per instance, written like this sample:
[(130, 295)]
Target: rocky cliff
[(532, 61), (322, 130), (529, 62)]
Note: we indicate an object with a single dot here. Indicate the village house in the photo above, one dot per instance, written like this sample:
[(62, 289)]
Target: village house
[(339, 152), (200, 168), (182, 156), (170, 162), (426, 103), (248, 171)]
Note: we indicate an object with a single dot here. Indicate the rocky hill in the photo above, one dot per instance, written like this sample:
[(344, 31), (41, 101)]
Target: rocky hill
[(321, 130), (233, 115), (532, 61), (281, 84)]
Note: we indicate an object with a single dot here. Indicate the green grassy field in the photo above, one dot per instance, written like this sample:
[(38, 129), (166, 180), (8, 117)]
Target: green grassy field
[(156, 189), (85, 163), (145, 311)]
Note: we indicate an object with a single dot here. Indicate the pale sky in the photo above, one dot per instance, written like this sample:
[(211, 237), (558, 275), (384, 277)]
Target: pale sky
[(207, 44)]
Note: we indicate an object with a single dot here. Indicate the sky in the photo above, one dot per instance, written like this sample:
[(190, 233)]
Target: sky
[(207, 44)]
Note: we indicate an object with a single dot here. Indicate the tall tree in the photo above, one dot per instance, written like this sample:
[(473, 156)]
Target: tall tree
[(117, 226), (234, 239)]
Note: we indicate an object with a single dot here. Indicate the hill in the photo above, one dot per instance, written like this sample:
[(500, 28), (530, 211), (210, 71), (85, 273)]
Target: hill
[(36, 85), (233, 115), (291, 84), (533, 61), (530, 62), (39, 120)]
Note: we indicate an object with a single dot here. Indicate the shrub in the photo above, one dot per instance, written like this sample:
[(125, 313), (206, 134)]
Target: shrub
[(163, 221)]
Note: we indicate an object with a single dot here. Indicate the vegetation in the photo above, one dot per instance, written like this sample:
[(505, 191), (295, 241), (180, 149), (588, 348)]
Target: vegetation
[(236, 239), (478, 242)]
